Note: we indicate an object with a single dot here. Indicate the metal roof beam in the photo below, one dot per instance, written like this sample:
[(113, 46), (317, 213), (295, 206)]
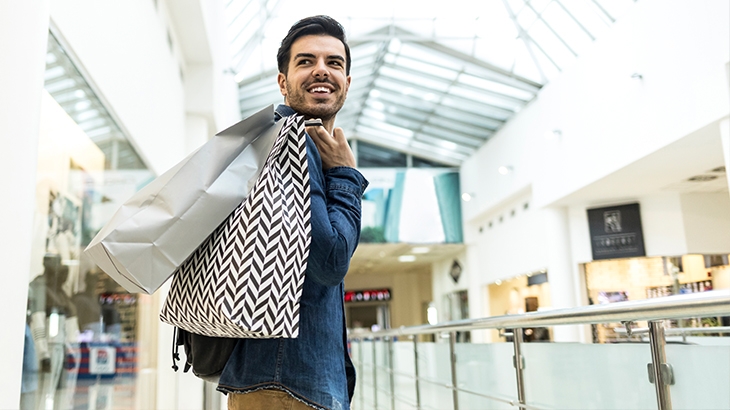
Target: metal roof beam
[(443, 113), (448, 135), (392, 31), (449, 160), (463, 100), (466, 138), (436, 78)]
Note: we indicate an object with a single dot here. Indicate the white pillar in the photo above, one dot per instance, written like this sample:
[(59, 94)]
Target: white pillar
[(478, 297), (23, 42), (562, 275)]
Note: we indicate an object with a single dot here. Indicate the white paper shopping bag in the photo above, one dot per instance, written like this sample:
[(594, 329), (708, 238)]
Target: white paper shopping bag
[(162, 224)]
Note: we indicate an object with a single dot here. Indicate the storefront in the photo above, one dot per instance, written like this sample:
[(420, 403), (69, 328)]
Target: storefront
[(616, 280), (529, 292), (82, 328)]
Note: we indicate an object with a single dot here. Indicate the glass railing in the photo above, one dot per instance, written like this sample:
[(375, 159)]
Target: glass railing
[(425, 367)]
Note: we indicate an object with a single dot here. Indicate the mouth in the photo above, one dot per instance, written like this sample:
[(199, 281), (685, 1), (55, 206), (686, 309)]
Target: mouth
[(320, 89)]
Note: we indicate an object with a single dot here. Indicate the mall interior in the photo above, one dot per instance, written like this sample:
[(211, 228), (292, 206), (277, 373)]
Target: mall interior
[(547, 224)]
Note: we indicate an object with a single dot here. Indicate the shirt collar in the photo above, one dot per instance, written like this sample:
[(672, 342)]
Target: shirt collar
[(283, 111)]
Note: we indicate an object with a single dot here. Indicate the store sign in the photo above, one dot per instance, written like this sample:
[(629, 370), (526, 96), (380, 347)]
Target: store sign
[(102, 360), (616, 232), (370, 295)]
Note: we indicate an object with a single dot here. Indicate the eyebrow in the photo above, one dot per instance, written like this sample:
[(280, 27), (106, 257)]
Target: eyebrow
[(309, 55)]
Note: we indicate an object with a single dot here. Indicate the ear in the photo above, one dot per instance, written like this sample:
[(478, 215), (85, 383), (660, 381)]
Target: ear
[(347, 84), (281, 79)]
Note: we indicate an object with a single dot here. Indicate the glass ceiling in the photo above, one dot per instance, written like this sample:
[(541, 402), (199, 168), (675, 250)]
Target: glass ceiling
[(434, 80)]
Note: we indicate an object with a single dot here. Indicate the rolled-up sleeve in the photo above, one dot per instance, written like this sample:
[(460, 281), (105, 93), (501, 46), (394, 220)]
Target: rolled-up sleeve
[(336, 211)]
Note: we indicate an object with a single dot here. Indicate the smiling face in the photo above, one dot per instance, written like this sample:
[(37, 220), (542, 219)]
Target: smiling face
[(315, 84)]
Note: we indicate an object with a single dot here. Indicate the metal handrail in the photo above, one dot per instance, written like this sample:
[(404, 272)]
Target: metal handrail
[(654, 311), (710, 303), (674, 331)]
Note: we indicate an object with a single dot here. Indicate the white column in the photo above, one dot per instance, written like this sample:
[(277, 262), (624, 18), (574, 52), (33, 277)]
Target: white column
[(725, 135), (562, 275), (23, 42), (478, 297)]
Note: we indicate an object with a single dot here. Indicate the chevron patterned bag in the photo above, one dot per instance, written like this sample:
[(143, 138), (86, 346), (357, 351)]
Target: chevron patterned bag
[(245, 280)]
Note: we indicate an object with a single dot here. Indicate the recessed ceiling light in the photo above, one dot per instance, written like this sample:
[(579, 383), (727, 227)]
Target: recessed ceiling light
[(420, 249), (467, 196), (504, 169), (406, 258)]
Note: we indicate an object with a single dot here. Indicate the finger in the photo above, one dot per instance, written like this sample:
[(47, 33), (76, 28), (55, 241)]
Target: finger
[(319, 133), (338, 134)]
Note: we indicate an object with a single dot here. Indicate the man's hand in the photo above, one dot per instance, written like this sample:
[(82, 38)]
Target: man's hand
[(334, 149)]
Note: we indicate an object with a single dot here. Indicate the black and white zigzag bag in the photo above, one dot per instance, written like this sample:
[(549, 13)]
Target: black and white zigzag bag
[(245, 280)]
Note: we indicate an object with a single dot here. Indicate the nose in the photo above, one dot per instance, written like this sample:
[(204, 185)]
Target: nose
[(320, 69)]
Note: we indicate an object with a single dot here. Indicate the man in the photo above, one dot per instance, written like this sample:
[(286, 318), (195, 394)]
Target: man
[(314, 370)]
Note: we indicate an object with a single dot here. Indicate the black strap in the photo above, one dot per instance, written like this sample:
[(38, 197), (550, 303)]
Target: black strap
[(175, 354)]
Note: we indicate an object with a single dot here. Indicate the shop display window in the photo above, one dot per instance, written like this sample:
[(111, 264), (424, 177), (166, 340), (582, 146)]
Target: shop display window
[(619, 280), (82, 330), (521, 294)]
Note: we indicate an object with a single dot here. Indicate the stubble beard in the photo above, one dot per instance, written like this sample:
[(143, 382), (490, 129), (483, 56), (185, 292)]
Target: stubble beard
[(297, 100)]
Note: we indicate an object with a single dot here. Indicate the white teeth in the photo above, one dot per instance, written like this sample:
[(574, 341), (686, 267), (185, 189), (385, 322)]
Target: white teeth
[(319, 90)]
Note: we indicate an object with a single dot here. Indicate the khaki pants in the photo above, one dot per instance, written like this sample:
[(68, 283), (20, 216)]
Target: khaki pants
[(265, 400)]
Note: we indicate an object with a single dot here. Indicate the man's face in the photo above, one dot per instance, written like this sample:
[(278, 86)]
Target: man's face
[(316, 83)]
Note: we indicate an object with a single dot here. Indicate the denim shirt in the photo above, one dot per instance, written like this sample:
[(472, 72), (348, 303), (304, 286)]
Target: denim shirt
[(315, 367)]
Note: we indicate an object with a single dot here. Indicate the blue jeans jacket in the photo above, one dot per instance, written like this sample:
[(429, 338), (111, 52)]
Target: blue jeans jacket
[(315, 367)]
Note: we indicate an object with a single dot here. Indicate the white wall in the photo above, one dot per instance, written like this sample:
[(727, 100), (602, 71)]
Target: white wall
[(21, 82), (513, 245), (707, 222)]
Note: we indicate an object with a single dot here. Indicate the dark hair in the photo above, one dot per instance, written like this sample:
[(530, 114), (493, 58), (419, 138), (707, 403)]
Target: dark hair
[(315, 25)]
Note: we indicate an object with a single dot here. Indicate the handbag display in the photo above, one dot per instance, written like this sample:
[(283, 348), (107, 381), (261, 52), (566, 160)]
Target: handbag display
[(245, 280)]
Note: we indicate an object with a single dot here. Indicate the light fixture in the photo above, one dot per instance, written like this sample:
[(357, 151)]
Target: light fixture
[(432, 314), (504, 169), (467, 196), (420, 249), (375, 93), (497, 282), (406, 258)]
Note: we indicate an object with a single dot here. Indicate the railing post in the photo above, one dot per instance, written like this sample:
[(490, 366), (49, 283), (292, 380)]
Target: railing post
[(362, 367), (418, 383), (519, 363), (375, 377), (392, 374), (661, 370), (452, 350)]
